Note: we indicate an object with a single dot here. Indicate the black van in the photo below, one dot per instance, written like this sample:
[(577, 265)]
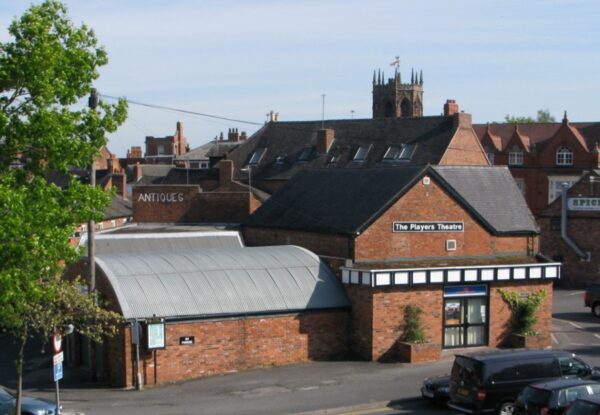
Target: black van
[(490, 382)]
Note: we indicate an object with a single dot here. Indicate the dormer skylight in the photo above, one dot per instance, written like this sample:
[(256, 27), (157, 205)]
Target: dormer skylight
[(361, 153), (305, 154), (400, 152), (257, 156)]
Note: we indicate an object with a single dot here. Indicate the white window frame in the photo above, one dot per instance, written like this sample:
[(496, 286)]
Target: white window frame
[(515, 158), (564, 156), (257, 156), (555, 185)]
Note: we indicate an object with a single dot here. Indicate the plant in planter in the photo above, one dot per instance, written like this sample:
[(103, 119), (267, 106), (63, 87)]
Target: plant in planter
[(414, 345), (524, 317)]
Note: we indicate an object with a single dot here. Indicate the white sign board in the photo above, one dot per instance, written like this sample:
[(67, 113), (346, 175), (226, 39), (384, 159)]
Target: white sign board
[(583, 203), (156, 336)]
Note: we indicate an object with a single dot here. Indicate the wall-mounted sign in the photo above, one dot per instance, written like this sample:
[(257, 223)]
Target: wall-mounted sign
[(465, 291), (428, 227), (162, 197), (156, 335), (583, 203), (187, 340)]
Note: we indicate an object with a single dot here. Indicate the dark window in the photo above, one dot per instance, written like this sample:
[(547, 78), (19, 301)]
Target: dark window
[(257, 155), (402, 152), (584, 408), (467, 370), (535, 396), (555, 224), (571, 366), (361, 153), (405, 108), (305, 155)]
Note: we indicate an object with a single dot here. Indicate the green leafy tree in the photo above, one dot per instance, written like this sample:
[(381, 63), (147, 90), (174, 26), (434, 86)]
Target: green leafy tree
[(542, 116), (46, 70)]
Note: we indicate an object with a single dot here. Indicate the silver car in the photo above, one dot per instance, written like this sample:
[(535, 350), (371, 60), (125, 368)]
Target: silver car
[(29, 406)]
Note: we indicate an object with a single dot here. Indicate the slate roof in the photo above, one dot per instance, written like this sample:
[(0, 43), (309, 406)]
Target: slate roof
[(347, 201), (210, 149), (180, 175), (285, 142), (119, 208)]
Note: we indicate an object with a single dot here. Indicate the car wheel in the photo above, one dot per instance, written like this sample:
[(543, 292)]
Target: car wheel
[(596, 309), (506, 408)]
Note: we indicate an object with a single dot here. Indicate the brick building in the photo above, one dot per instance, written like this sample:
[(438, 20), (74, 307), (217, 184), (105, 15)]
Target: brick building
[(445, 238), (206, 305), (570, 227), (164, 150)]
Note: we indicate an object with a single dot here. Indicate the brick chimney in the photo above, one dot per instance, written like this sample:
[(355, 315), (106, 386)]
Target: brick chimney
[(225, 171), (463, 120), (324, 140), (137, 172), (243, 136), (233, 135), (450, 107)]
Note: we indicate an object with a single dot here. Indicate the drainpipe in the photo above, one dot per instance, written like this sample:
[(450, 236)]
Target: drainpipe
[(584, 256)]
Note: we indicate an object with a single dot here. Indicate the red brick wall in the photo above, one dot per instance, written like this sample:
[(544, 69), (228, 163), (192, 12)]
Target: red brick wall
[(219, 207), (378, 242), (322, 244), (465, 149), (177, 202), (236, 344), (378, 314)]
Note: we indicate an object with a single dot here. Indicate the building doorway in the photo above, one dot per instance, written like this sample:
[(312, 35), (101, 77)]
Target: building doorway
[(465, 321)]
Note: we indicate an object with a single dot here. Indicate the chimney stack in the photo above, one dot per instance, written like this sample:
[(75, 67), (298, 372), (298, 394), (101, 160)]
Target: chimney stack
[(137, 172), (450, 107), (225, 171), (324, 140), (243, 136), (233, 135)]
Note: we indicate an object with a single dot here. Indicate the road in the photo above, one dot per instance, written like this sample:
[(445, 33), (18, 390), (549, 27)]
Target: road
[(319, 387)]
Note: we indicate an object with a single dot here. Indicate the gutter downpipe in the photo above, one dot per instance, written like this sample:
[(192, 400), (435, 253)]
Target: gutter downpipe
[(584, 256)]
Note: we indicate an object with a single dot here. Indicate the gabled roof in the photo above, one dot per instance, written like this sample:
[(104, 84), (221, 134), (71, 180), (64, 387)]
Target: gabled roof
[(210, 149), (285, 142), (179, 175), (119, 208), (347, 201), (518, 139), (219, 282)]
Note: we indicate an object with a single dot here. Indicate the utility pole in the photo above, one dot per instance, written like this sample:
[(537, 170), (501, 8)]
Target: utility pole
[(92, 104)]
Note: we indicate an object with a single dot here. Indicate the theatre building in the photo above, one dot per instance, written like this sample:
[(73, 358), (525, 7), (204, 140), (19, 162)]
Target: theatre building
[(445, 238)]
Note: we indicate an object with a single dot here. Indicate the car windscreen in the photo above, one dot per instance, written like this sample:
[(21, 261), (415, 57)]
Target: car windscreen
[(535, 396), (467, 370)]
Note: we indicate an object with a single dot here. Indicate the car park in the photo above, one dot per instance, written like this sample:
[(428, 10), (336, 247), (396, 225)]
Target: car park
[(33, 406), (588, 405), (489, 382), (436, 389), (553, 397)]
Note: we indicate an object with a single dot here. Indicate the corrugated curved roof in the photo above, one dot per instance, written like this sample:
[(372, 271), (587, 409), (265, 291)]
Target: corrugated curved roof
[(220, 282)]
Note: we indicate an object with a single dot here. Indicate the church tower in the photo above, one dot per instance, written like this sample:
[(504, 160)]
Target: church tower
[(395, 99)]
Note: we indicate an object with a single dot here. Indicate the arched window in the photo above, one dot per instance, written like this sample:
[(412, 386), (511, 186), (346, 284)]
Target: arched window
[(405, 108), (564, 157)]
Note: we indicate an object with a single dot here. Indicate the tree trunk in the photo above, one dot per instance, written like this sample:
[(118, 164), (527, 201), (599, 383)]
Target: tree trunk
[(19, 367)]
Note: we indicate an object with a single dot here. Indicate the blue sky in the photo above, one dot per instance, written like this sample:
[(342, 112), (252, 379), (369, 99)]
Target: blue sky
[(241, 59)]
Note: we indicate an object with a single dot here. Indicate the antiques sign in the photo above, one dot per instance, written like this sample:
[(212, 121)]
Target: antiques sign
[(584, 203), (428, 227), (163, 197)]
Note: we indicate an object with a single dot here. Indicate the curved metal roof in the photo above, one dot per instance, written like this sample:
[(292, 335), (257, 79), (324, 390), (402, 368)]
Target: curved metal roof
[(219, 282)]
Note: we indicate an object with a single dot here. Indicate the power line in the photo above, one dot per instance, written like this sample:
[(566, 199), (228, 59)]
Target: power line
[(162, 107)]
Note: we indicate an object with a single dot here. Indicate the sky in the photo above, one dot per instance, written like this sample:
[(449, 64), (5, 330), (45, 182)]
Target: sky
[(242, 59)]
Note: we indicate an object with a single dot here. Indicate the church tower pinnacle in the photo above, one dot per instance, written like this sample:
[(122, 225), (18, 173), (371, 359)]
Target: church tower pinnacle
[(393, 99)]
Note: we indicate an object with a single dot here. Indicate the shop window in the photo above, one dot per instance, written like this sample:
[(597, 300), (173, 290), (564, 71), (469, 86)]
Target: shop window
[(361, 153), (564, 157)]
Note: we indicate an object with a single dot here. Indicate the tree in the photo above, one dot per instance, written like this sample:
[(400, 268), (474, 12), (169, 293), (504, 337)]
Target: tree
[(542, 116), (45, 71)]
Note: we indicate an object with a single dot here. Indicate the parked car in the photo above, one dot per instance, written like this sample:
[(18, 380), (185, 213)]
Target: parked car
[(490, 382), (591, 299), (588, 405), (29, 406), (553, 397), (436, 389)]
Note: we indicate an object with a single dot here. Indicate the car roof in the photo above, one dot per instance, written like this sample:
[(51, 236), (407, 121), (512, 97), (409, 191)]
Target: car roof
[(514, 354), (563, 383)]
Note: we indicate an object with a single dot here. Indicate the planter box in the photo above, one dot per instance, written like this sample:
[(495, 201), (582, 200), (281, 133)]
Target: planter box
[(422, 352), (539, 341)]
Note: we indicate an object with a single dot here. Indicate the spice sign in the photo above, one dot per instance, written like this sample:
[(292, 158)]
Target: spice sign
[(428, 227), (584, 203)]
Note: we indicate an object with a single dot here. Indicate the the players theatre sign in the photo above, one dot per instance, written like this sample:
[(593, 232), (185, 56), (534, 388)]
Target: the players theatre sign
[(428, 227)]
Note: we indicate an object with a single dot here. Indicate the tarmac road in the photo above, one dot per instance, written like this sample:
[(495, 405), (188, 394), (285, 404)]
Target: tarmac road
[(350, 388)]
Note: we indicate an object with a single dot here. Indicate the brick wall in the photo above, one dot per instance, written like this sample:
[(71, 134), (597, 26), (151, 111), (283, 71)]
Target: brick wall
[(169, 203), (235, 344), (378, 242), (331, 245), (465, 149), (378, 315)]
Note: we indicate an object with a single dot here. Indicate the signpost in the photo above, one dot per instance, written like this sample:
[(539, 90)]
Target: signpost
[(58, 367)]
